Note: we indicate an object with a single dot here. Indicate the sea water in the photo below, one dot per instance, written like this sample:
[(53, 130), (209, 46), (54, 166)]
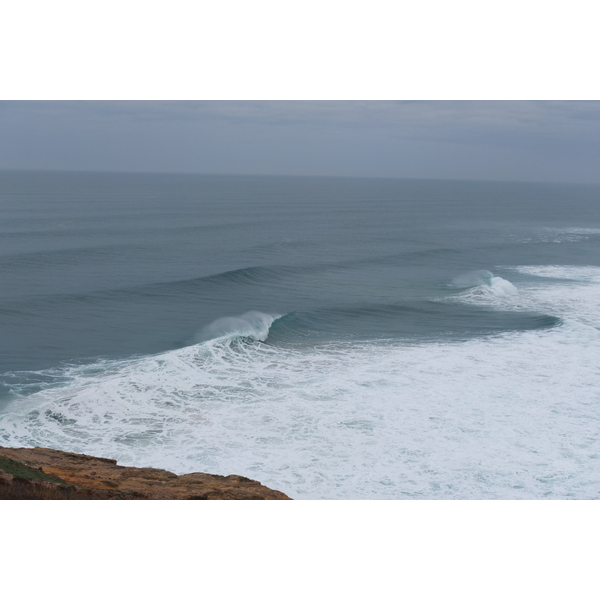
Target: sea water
[(332, 338)]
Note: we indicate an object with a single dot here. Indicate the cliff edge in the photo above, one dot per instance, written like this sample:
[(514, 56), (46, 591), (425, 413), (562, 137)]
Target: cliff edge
[(45, 474)]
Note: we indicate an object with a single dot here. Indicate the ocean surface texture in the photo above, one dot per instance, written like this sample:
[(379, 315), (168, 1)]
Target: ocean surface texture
[(332, 338)]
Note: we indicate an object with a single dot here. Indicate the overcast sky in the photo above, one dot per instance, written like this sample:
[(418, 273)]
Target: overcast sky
[(489, 140)]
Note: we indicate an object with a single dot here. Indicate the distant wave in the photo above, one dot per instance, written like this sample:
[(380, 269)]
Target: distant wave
[(247, 275), (61, 256), (570, 292), (243, 275)]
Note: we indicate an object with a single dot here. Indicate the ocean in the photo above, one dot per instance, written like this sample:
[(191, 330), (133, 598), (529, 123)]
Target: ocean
[(333, 338)]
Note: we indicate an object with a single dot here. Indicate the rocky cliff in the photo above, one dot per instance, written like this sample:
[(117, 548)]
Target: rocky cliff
[(44, 474)]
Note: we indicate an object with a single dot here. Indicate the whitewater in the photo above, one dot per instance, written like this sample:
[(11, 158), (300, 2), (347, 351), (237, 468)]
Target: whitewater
[(482, 384), (512, 415)]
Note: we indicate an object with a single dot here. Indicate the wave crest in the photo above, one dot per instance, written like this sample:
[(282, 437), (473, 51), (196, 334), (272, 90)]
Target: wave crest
[(483, 282), (253, 324)]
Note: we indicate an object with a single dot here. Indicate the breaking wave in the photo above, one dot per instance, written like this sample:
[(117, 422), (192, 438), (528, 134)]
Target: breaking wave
[(254, 325), (484, 282), (511, 415)]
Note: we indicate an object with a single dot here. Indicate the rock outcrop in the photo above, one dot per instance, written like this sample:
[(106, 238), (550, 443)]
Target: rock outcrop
[(44, 474)]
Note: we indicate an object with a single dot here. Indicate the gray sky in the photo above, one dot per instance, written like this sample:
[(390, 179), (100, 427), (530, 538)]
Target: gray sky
[(495, 140)]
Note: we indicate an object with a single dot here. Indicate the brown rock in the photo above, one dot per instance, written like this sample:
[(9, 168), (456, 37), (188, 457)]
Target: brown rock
[(45, 474)]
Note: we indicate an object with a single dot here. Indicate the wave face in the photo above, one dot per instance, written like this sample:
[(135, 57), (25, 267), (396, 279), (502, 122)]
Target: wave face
[(330, 338)]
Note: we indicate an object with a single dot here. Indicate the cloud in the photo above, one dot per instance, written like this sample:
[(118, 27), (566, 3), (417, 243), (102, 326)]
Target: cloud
[(454, 139)]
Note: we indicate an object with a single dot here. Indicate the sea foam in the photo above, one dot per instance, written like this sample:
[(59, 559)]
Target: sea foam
[(508, 416)]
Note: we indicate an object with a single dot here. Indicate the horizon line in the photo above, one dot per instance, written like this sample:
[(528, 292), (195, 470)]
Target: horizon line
[(289, 175)]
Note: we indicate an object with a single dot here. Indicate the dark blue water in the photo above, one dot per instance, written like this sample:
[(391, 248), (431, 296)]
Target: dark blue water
[(112, 267)]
